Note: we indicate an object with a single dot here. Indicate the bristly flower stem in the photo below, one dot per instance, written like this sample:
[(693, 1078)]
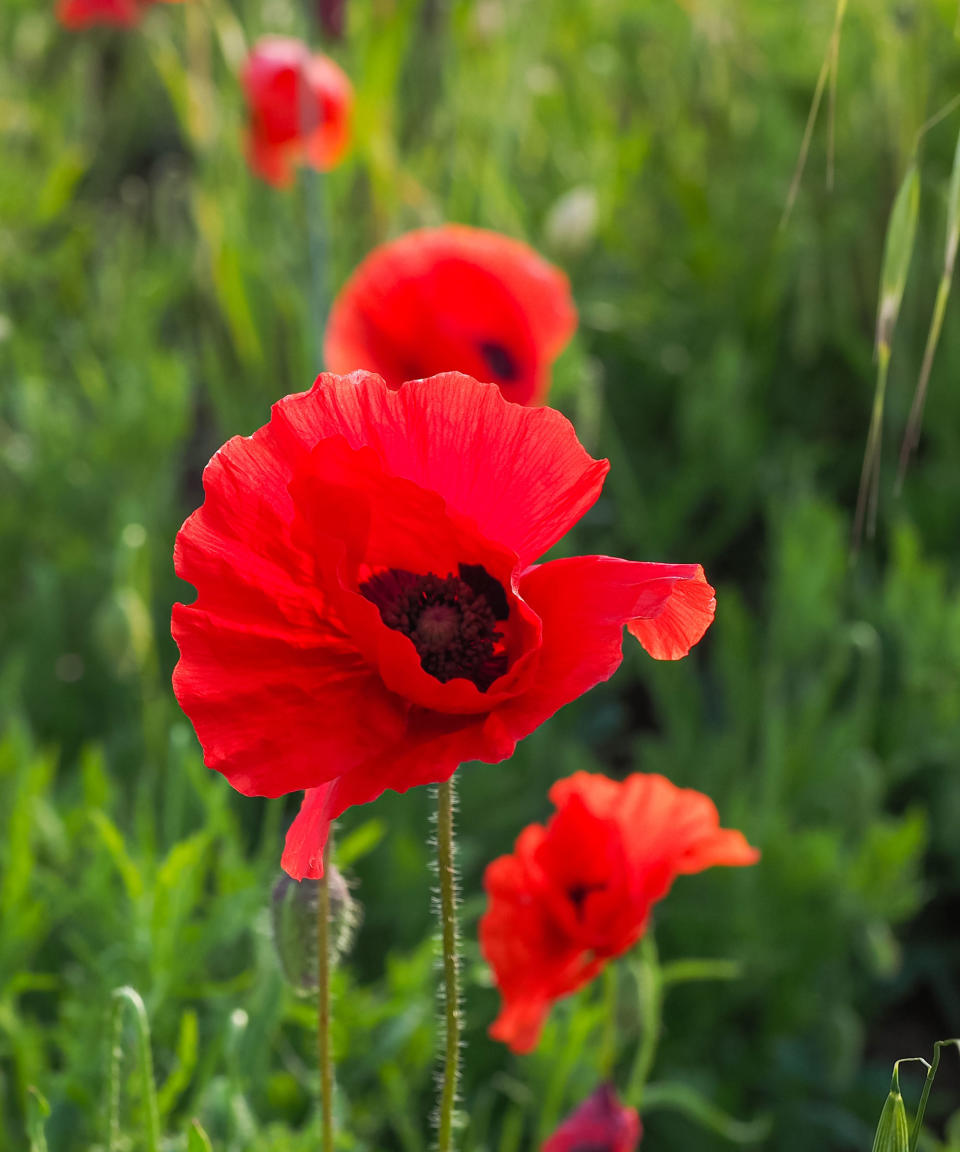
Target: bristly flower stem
[(446, 868), (324, 1053)]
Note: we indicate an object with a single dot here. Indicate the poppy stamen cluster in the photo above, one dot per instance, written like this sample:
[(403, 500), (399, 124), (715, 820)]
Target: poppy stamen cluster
[(453, 621)]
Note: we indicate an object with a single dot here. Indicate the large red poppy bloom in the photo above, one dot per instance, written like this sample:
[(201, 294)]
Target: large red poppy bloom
[(600, 1124), (369, 615), (579, 891), (84, 13), (454, 299), (299, 106)]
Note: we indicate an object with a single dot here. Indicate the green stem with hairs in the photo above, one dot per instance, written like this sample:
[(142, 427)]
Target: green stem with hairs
[(446, 869), (324, 1053)]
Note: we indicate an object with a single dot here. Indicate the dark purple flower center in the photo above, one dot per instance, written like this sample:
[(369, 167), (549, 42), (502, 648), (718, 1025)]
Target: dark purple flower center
[(499, 360), (452, 620), (578, 893)]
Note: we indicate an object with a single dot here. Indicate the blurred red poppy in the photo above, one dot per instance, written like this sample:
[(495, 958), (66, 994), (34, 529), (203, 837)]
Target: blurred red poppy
[(579, 891), (369, 615), (299, 106), (84, 13), (454, 299), (600, 1124)]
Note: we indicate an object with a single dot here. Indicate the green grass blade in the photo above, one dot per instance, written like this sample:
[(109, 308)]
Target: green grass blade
[(911, 437), (897, 254), (682, 1098)]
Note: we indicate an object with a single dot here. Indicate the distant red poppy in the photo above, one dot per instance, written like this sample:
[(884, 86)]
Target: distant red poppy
[(600, 1124), (579, 891), (369, 615), (299, 107), (84, 13), (454, 299)]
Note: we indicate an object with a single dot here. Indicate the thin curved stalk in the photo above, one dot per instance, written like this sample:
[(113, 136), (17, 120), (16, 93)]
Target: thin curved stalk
[(131, 998)]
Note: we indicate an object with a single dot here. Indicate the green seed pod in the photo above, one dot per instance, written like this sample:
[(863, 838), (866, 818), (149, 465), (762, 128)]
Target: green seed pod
[(893, 1133), (293, 910)]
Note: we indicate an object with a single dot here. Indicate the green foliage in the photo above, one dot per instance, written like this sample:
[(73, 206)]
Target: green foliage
[(153, 301)]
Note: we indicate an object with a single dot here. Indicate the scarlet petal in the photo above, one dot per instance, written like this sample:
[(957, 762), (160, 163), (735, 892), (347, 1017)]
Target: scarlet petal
[(680, 607), (428, 754), (270, 680), (519, 474), (584, 603), (307, 835), (519, 1024), (681, 827), (273, 163), (83, 13)]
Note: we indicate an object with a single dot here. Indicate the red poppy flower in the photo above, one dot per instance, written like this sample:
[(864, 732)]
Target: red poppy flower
[(579, 891), (369, 615), (299, 107), (83, 13), (454, 299), (600, 1124)]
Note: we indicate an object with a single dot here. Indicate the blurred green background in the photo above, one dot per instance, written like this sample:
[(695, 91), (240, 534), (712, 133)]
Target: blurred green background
[(154, 301)]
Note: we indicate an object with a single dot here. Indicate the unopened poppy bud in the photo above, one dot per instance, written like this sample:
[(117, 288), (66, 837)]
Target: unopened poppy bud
[(893, 1135), (293, 908)]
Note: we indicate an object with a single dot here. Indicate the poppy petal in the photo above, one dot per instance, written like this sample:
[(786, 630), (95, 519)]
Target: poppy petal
[(584, 603), (307, 836), (267, 675), (678, 609), (519, 474), (426, 755), (84, 13)]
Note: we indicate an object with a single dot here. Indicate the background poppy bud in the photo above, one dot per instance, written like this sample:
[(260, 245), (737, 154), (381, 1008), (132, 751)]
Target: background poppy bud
[(600, 1124), (892, 1132), (293, 912)]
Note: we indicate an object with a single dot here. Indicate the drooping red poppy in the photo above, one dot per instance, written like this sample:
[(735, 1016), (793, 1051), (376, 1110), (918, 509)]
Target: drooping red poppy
[(454, 299), (600, 1124), (578, 892), (369, 613), (299, 106), (84, 13)]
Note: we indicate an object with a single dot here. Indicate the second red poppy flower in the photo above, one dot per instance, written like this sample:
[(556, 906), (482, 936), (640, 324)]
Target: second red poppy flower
[(454, 299)]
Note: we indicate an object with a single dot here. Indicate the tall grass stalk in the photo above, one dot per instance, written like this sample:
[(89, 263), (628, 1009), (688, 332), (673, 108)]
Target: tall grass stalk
[(828, 72), (897, 254), (911, 437)]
